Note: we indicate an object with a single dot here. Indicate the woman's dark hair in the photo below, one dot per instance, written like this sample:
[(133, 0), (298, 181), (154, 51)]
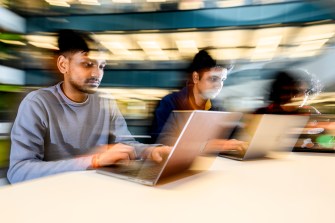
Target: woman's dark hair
[(290, 82)]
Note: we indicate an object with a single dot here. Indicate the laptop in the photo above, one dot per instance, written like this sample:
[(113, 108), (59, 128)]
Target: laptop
[(318, 136), (265, 133), (200, 127)]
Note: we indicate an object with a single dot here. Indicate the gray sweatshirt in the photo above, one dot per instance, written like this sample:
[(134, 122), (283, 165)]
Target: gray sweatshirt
[(52, 134)]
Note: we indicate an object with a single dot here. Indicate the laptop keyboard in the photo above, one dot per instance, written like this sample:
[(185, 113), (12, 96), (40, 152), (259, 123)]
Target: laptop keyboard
[(142, 171), (149, 172), (235, 153)]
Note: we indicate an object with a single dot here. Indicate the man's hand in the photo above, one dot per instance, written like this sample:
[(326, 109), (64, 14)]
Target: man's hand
[(158, 153), (221, 145), (113, 154)]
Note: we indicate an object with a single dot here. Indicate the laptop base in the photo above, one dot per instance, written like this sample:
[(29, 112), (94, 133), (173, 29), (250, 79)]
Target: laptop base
[(323, 150)]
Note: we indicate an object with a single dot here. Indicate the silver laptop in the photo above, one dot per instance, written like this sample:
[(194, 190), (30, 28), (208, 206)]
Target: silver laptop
[(265, 133), (200, 127)]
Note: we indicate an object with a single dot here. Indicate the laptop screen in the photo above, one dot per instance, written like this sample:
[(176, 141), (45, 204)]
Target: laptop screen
[(317, 135)]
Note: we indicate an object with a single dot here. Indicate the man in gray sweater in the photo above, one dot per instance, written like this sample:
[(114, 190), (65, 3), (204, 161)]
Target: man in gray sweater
[(70, 126)]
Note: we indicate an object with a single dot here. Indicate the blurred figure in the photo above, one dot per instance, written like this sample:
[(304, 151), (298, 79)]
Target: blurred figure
[(289, 93), (69, 127), (204, 84)]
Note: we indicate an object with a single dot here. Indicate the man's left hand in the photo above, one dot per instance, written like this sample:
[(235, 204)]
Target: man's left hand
[(158, 153)]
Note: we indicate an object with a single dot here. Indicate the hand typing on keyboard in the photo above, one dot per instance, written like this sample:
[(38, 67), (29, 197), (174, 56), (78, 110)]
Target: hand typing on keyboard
[(222, 145), (157, 154), (112, 154)]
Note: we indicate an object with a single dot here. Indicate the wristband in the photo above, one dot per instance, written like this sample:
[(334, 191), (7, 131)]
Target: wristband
[(95, 161)]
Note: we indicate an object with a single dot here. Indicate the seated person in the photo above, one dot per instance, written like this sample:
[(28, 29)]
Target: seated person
[(69, 126), (289, 93), (204, 84)]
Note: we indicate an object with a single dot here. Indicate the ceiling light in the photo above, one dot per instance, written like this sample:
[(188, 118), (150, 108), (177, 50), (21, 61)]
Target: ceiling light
[(187, 46), (311, 45), (89, 2), (13, 42), (62, 3), (190, 4), (44, 45), (266, 48), (159, 57), (116, 48), (152, 48), (315, 32), (148, 45), (230, 3), (156, 0), (122, 1)]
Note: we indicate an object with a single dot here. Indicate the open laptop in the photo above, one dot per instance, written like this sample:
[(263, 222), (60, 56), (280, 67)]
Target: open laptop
[(200, 127), (318, 135), (265, 133)]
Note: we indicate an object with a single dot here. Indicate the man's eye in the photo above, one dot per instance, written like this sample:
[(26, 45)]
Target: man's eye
[(101, 67), (88, 64), (214, 79)]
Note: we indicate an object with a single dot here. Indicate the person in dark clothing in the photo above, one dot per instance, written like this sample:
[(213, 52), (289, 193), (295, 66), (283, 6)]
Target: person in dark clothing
[(204, 84), (288, 87), (288, 95)]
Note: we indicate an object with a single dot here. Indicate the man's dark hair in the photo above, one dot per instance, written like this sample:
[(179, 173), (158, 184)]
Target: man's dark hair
[(201, 62), (72, 41)]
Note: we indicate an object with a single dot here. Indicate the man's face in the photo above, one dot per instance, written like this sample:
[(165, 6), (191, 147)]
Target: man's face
[(84, 72), (211, 82)]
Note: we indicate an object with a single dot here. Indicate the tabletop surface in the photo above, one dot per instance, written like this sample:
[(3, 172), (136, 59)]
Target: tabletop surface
[(292, 187)]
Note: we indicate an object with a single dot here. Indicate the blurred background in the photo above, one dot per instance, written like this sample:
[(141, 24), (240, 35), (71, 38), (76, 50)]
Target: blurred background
[(151, 43)]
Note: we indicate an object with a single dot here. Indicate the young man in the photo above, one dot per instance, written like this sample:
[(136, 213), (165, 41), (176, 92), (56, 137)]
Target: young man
[(69, 126), (204, 84)]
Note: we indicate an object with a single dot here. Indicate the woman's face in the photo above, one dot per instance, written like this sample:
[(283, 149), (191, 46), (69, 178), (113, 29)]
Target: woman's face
[(294, 93)]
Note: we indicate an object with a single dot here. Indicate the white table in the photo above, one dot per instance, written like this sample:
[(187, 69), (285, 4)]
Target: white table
[(295, 188)]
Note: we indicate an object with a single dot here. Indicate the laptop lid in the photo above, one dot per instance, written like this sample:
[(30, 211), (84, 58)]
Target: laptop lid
[(318, 135), (265, 133), (200, 127)]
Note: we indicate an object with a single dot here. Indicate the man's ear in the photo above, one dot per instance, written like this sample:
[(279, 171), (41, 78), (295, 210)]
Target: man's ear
[(195, 77), (62, 64)]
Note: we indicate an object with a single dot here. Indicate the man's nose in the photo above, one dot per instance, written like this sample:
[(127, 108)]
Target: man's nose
[(96, 72), (218, 84)]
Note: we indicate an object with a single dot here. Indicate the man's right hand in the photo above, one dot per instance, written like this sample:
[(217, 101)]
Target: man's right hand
[(222, 145), (112, 154)]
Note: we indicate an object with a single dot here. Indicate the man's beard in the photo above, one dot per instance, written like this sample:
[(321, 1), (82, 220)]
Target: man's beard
[(90, 85)]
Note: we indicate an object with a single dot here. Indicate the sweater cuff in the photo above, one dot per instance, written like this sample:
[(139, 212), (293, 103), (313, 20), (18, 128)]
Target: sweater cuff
[(84, 163)]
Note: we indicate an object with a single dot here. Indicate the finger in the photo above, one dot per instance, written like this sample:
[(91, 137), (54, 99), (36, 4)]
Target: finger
[(122, 148), (129, 150), (239, 147), (167, 150), (156, 156), (125, 162), (131, 154), (118, 146), (120, 157)]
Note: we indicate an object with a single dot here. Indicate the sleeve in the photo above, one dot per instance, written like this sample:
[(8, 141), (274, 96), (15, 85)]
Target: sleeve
[(120, 133), (161, 116), (27, 146)]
